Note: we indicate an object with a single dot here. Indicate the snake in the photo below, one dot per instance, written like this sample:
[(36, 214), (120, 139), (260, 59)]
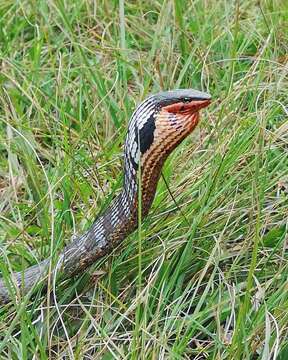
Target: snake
[(157, 126)]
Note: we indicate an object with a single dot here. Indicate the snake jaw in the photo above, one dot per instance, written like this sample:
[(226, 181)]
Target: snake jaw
[(190, 107), (180, 119)]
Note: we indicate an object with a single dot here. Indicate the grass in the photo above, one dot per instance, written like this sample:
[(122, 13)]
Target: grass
[(206, 277)]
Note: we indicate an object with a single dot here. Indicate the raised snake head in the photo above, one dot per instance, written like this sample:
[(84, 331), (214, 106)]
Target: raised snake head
[(162, 120), (156, 127)]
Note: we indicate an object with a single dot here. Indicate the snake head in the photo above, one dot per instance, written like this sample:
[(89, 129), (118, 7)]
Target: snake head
[(161, 122), (178, 114)]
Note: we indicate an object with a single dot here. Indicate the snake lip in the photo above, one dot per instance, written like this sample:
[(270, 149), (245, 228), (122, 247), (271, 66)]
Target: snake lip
[(201, 104), (190, 107)]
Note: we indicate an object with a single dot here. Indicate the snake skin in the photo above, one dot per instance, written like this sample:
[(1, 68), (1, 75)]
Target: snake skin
[(156, 127)]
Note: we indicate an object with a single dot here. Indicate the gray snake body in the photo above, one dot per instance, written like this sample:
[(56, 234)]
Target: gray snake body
[(156, 127)]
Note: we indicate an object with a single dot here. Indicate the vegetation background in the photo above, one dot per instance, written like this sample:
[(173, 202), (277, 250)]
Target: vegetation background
[(207, 276)]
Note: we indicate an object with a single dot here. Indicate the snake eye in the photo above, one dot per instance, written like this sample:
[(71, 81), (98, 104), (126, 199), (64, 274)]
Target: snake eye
[(186, 100)]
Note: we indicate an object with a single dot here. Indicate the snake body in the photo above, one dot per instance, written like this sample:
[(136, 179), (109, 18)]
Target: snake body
[(156, 127)]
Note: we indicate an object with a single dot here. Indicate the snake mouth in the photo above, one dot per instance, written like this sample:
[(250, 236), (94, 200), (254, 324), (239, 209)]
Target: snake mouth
[(187, 108)]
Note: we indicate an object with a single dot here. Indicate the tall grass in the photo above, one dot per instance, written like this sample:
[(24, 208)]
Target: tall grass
[(206, 277)]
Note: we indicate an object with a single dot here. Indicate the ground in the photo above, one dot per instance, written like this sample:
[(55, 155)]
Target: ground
[(206, 277)]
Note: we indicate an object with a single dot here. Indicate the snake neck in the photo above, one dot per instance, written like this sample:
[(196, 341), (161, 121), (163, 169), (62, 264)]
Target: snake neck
[(118, 220), (121, 217)]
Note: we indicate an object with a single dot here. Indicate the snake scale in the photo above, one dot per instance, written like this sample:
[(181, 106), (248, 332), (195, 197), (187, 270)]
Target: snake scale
[(156, 127)]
